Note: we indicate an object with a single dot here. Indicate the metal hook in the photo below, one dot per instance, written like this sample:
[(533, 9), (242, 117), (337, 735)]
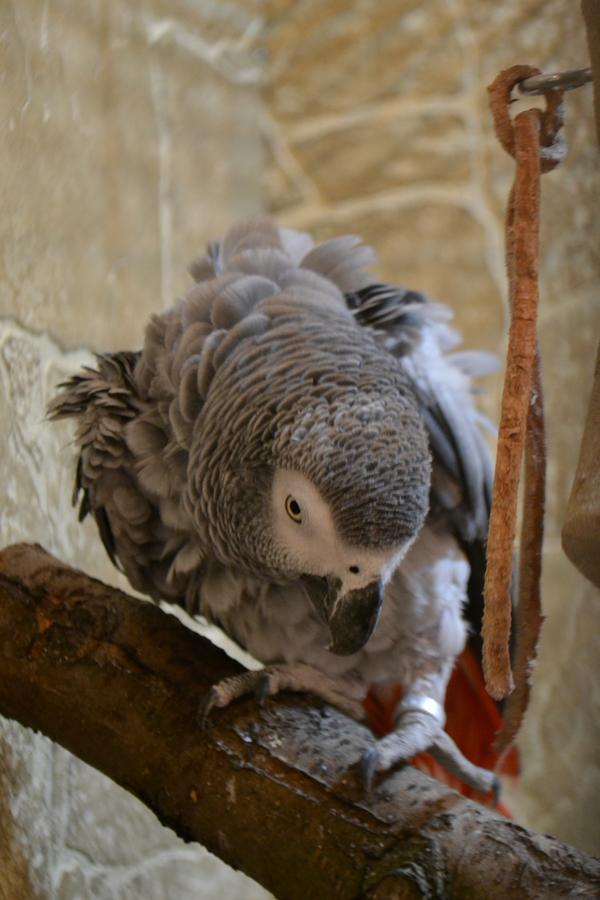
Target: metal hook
[(564, 81)]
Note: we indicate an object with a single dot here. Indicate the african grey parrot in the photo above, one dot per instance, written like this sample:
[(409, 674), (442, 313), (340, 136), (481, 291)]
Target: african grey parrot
[(295, 455)]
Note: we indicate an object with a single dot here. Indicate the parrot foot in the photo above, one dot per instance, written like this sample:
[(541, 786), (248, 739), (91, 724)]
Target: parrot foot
[(420, 732), (225, 692), (272, 679)]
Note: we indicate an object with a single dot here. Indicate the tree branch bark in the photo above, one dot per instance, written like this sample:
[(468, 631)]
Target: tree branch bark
[(270, 790)]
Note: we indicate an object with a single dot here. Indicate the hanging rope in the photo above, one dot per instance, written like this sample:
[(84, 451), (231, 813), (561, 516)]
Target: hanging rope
[(534, 141)]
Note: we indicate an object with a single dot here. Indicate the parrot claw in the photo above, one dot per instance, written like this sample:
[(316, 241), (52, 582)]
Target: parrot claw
[(263, 687), (205, 708), (368, 767), (271, 680)]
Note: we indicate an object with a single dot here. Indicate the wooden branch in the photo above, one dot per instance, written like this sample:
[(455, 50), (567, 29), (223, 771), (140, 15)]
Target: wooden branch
[(118, 682)]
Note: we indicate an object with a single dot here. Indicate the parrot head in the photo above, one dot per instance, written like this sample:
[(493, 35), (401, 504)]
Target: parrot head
[(317, 472), (343, 579)]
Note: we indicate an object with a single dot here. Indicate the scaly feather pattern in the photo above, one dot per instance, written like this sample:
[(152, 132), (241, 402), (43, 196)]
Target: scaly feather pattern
[(288, 357)]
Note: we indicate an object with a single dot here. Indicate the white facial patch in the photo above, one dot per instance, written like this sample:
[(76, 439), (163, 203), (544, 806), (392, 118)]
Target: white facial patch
[(304, 529)]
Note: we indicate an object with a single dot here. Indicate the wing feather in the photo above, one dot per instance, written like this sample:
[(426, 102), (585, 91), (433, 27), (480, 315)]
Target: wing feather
[(415, 330), (118, 441)]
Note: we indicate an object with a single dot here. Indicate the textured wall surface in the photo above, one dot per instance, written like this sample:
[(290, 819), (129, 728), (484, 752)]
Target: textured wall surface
[(129, 137), (14, 865), (133, 131)]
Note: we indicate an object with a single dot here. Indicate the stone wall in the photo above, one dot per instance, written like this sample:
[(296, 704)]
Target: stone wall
[(134, 130)]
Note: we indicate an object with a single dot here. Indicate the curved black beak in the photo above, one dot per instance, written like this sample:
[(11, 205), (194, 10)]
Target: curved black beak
[(351, 618)]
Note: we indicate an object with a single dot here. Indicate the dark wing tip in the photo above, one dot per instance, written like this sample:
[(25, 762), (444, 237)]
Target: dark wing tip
[(396, 312), (106, 535)]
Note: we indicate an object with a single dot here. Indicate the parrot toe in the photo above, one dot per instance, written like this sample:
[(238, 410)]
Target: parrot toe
[(445, 751), (496, 790), (421, 733), (272, 680), (226, 691)]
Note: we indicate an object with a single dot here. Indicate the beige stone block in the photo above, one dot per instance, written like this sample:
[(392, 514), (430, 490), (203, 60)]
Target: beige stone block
[(129, 140), (281, 189), (522, 31), (328, 57), (551, 38), (375, 155)]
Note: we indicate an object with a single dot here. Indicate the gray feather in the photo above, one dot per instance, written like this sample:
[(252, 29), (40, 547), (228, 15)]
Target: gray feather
[(287, 354)]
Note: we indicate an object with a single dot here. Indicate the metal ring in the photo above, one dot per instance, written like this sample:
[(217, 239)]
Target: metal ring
[(421, 703), (563, 81)]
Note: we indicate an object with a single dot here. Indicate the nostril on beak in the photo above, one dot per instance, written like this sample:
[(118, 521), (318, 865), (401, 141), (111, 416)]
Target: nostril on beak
[(354, 569)]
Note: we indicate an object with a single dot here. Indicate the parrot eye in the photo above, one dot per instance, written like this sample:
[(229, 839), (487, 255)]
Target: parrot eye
[(292, 508)]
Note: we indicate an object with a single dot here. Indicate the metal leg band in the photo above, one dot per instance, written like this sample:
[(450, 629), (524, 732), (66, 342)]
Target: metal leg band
[(414, 702)]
